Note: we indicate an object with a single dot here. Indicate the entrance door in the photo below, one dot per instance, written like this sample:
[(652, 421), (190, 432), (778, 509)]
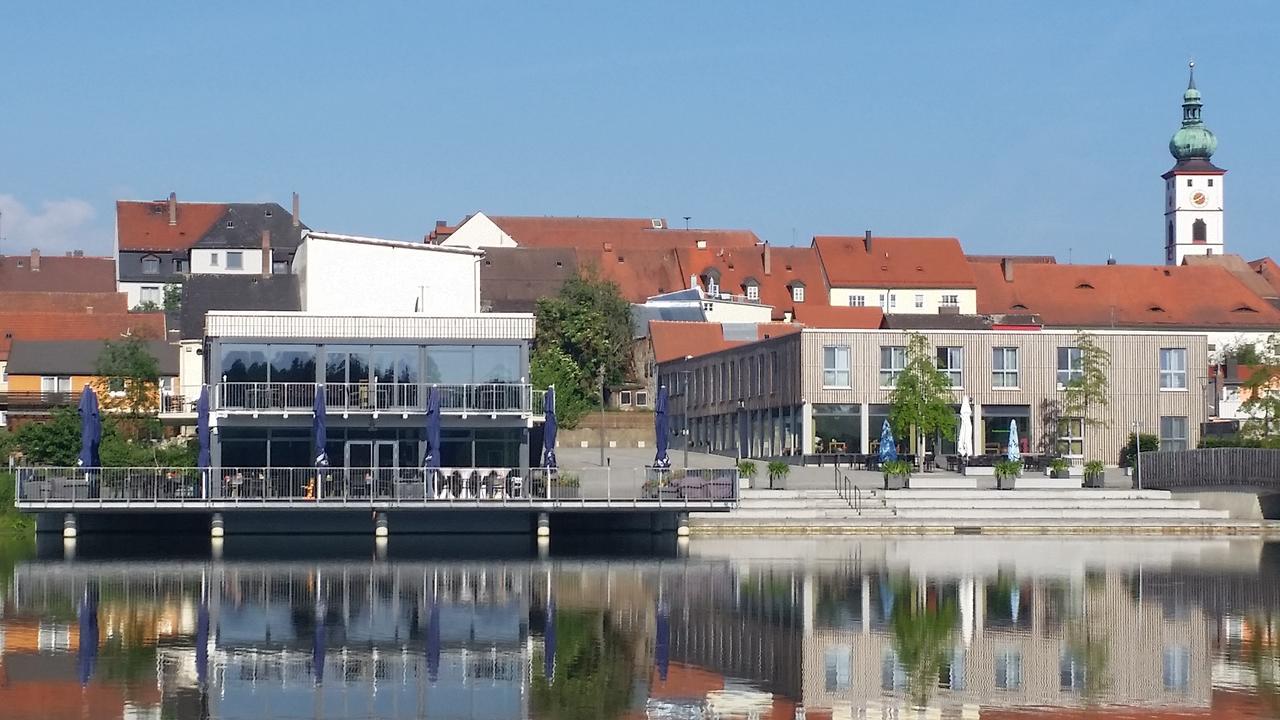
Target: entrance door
[(371, 467)]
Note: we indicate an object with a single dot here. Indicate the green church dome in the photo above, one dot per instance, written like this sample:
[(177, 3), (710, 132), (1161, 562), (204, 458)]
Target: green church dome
[(1193, 140)]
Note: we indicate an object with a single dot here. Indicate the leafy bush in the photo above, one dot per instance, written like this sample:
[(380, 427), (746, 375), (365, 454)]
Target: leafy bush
[(896, 467), (1227, 441), (1094, 468), (1150, 443), (1059, 465), (1008, 468), (747, 469), (778, 470)]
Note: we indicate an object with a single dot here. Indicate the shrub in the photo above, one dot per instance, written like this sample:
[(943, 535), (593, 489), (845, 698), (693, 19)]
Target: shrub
[(1059, 464), (747, 469), (1150, 443), (778, 470), (1093, 468), (896, 467), (1008, 468)]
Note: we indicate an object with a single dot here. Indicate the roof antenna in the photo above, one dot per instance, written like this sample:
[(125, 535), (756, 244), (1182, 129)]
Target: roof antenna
[(1069, 256), (686, 221)]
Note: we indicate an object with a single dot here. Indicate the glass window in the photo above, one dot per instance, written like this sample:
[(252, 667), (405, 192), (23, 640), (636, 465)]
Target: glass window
[(1070, 365), (150, 294), (836, 664), (1173, 433), (893, 359), (293, 363), (857, 301), (835, 366), (244, 363), (951, 300), (753, 292), (213, 259), (57, 384), (1004, 367), (449, 364), (642, 398), (1008, 669), (1071, 437), (919, 300), (1070, 673), (279, 267), (235, 260), (1173, 368), (150, 265), (1177, 668), (837, 428), (951, 363), (497, 363), (892, 675), (624, 398), (179, 265), (797, 293)]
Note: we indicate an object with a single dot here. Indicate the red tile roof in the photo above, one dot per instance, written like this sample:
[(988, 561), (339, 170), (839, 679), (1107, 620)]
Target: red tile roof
[(101, 302), (1238, 267), (76, 326), (1269, 270), (57, 273), (839, 318), (144, 225), (894, 262), (787, 267), (1131, 296), (676, 340), (639, 273), (1043, 259), (586, 233)]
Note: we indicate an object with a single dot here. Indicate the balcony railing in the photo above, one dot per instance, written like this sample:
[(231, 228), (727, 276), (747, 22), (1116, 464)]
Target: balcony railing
[(486, 398), (73, 487), (37, 400)]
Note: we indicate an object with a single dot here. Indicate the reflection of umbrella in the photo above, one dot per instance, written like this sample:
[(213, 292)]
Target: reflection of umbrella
[(1014, 452), (203, 461), (888, 450), (321, 432), (966, 610), (662, 644), (660, 428), (317, 652), (1014, 603), (432, 459), (88, 637), (549, 642), (433, 642), (90, 429), (964, 442), (202, 641), (549, 429), (886, 597)]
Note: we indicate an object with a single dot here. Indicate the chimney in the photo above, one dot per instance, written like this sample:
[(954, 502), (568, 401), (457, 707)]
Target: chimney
[(1111, 260), (866, 241), (1006, 265), (266, 253), (296, 221), (173, 208), (35, 259), (768, 261)]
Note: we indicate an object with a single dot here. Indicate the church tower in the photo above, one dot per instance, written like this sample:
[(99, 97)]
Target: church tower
[(1193, 188)]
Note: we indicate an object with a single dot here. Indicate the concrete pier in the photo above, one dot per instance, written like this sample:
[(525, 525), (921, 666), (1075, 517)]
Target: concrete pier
[(69, 530), (544, 525), (216, 528), (380, 529)]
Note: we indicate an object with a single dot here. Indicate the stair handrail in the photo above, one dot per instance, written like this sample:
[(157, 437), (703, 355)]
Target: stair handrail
[(848, 491)]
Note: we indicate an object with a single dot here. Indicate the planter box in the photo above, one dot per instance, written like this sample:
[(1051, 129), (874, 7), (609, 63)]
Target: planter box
[(1005, 482), (896, 482), (1094, 481), (988, 471), (1046, 483)]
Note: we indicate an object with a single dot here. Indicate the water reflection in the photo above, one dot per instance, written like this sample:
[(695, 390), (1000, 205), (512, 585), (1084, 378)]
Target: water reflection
[(788, 629)]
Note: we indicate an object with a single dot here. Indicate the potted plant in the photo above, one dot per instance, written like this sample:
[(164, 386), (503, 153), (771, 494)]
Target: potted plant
[(896, 474), (1007, 472), (1093, 472), (778, 471), (1059, 468), (747, 472)]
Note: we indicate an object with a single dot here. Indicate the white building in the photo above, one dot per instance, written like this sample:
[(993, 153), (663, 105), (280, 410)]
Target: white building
[(1193, 187)]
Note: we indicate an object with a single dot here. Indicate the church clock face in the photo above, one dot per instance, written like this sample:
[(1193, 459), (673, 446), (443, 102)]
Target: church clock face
[(1199, 199)]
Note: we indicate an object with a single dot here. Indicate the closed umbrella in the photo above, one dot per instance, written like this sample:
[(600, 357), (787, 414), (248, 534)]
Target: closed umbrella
[(888, 449), (318, 650), (549, 642), (88, 650), (1013, 452), (662, 643), (202, 642), (204, 459), (433, 642), (964, 442), (431, 460), (660, 428), (549, 430), (318, 427), (90, 429)]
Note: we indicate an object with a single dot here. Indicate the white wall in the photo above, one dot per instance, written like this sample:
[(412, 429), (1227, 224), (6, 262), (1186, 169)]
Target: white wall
[(720, 311), (1221, 340), (134, 291), (477, 232), (354, 276), (1183, 212), (203, 261), (4, 377), (190, 369), (905, 299)]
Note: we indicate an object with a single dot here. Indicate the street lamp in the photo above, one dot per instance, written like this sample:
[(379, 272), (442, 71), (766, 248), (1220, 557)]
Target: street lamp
[(601, 379)]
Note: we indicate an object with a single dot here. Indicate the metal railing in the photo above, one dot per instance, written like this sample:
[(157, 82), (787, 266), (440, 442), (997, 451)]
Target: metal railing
[(38, 399), (481, 398), (176, 404), (38, 487), (848, 491)]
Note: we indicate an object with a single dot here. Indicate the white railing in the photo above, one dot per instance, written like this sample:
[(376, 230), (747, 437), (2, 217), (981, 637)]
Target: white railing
[(479, 398), (107, 487)]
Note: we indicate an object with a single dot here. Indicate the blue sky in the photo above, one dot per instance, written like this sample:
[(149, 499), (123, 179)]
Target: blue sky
[(1015, 126)]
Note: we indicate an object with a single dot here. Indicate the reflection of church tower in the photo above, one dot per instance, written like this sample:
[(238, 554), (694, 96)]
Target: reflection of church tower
[(1193, 188)]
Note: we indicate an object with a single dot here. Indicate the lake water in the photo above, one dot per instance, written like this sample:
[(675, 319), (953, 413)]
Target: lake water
[(640, 627)]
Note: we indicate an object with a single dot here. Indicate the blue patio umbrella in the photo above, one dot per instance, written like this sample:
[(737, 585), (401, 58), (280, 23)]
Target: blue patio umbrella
[(886, 598), (549, 642), (88, 650), (549, 430), (319, 429), (433, 642), (888, 448), (204, 459), (660, 428), (90, 429), (432, 459), (1013, 452), (662, 643), (202, 641), (317, 650)]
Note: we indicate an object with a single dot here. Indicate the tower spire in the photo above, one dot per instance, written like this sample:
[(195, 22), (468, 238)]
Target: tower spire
[(1191, 83)]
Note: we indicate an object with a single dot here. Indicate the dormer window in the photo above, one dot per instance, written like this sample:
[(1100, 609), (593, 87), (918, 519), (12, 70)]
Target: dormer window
[(150, 265), (753, 291), (1156, 308), (711, 279), (797, 293), (1245, 309), (1084, 286)]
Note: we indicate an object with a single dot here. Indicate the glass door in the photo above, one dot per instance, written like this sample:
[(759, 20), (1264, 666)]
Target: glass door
[(359, 465), (385, 468)]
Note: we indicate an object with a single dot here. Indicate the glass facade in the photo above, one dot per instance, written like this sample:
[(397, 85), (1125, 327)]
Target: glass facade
[(996, 421), (837, 428), (385, 364)]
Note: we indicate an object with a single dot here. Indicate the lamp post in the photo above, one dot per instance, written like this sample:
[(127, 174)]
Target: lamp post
[(600, 377)]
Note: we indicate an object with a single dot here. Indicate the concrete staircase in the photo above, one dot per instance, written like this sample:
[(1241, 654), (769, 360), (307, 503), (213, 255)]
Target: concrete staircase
[(964, 510)]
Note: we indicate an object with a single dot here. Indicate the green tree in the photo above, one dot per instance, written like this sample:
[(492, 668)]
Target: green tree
[(1085, 397), (589, 321), (595, 670), (552, 366), (130, 375), (923, 634), (920, 402), (1261, 387), (146, 307), (55, 441), (172, 297)]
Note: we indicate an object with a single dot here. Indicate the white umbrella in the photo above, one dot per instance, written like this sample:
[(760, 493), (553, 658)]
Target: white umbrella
[(964, 441), (1014, 452)]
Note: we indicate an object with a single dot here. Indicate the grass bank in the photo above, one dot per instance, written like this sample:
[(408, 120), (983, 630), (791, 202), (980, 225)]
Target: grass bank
[(12, 522)]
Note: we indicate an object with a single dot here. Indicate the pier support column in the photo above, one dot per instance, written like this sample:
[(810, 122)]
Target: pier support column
[(544, 525), (682, 524), (215, 526), (69, 526), (380, 525)]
